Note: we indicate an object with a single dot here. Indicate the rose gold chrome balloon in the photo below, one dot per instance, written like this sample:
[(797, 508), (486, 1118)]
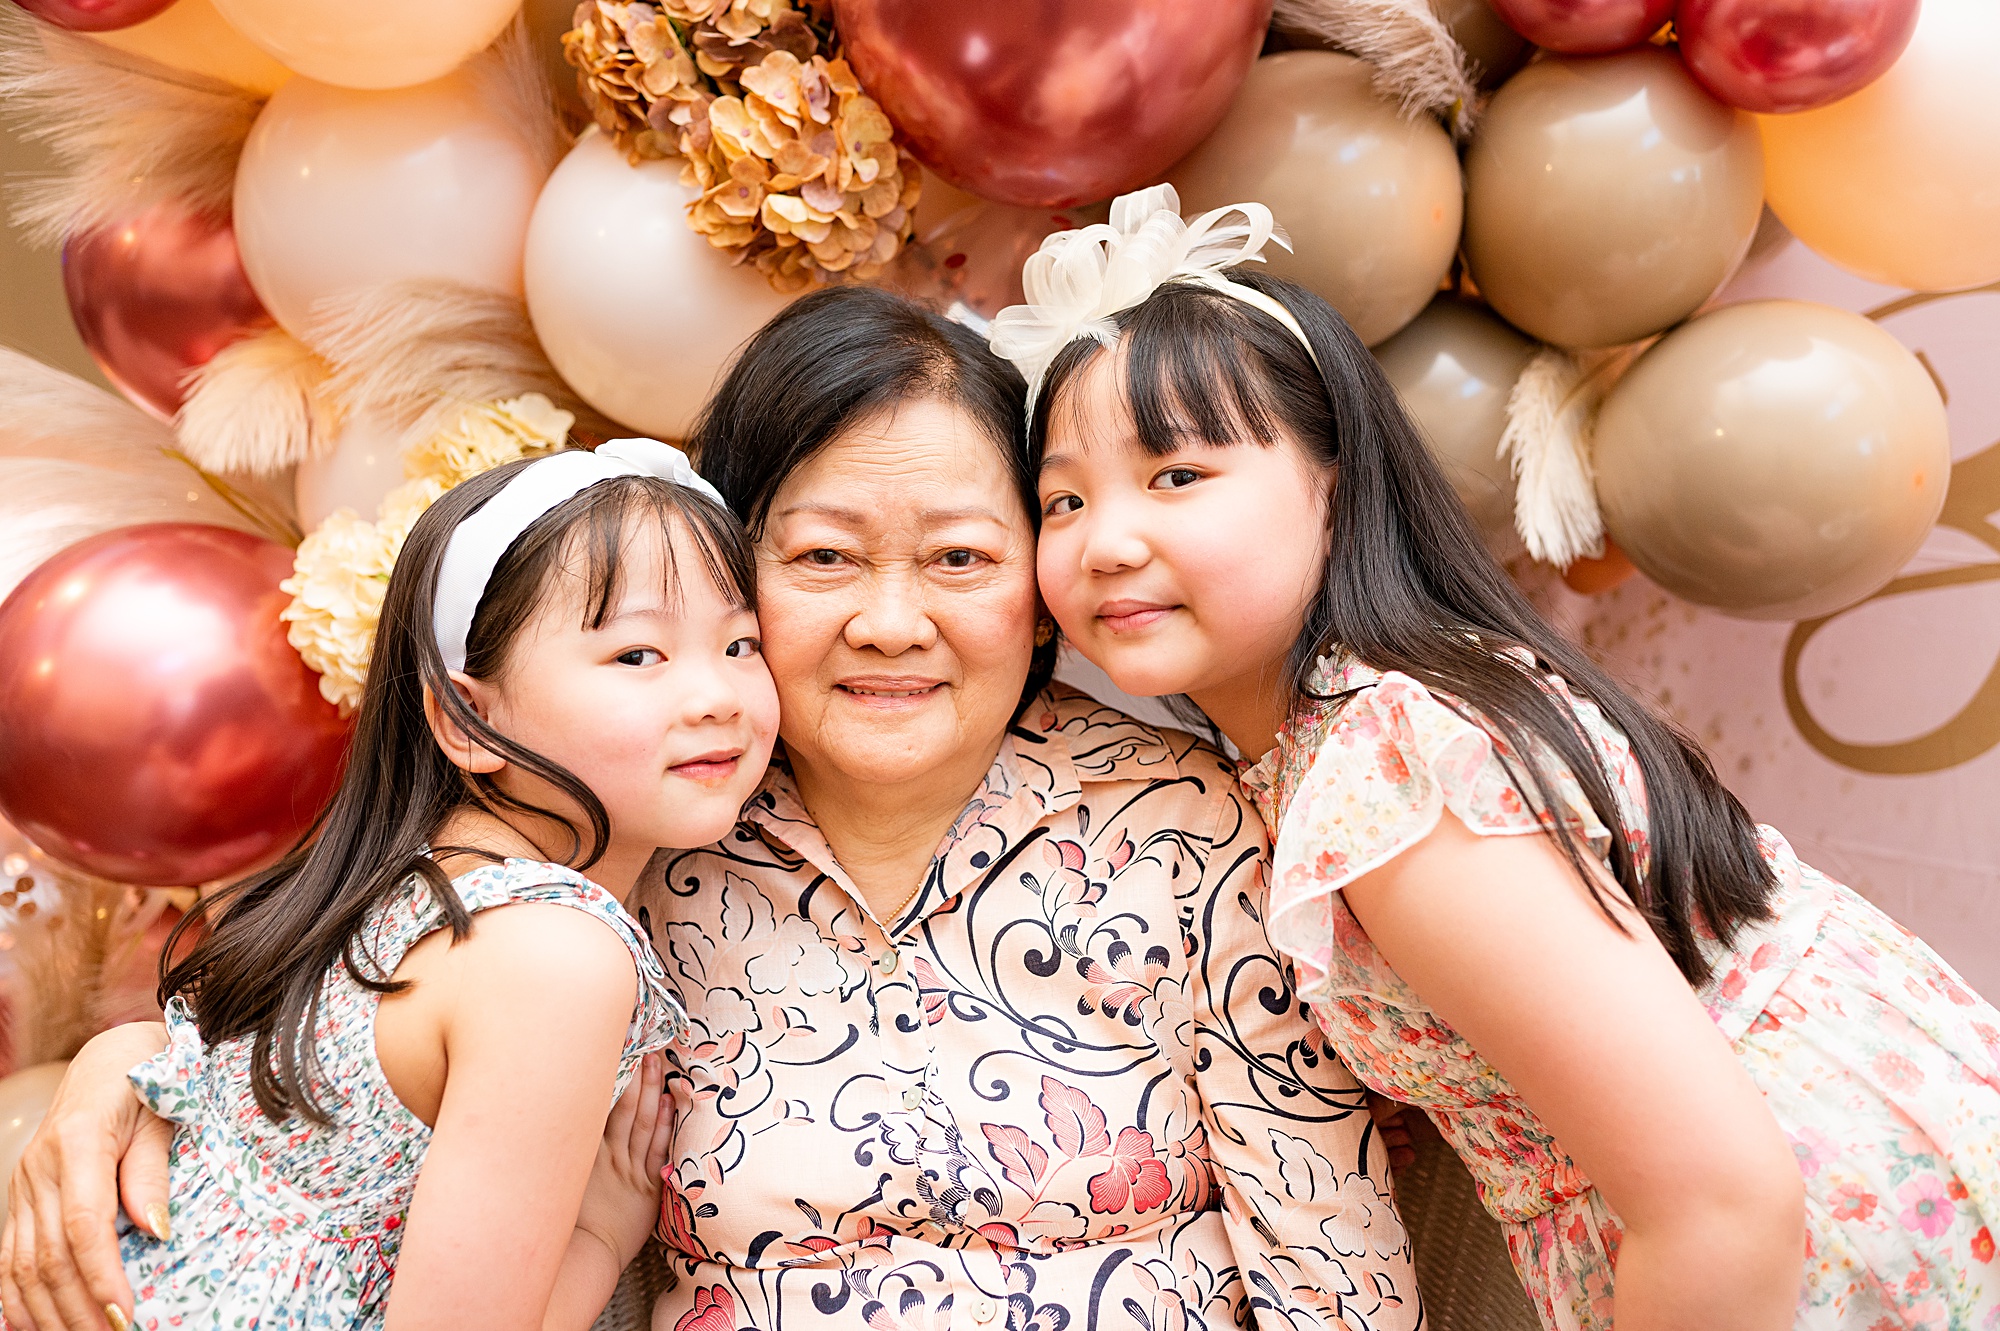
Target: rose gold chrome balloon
[(1585, 27), (1791, 55), (1055, 102), (156, 296), (94, 15), (157, 728)]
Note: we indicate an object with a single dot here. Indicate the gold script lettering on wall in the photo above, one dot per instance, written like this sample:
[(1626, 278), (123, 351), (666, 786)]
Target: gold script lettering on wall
[(1970, 505)]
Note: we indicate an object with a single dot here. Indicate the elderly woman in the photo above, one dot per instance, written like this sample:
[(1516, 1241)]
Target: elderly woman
[(986, 1029)]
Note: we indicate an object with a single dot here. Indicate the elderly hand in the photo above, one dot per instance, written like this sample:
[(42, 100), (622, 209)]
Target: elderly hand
[(59, 1264)]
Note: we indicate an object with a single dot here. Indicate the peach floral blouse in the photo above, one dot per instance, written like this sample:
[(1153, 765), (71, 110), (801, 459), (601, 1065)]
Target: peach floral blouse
[(1069, 1089)]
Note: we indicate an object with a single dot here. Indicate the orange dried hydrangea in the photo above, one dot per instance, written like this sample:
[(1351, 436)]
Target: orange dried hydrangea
[(799, 170)]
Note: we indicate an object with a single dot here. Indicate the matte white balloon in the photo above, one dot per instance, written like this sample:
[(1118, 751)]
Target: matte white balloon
[(370, 43), (364, 464), (638, 313), (339, 190)]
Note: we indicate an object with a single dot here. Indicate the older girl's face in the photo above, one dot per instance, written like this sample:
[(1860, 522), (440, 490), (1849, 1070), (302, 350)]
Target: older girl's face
[(897, 587)]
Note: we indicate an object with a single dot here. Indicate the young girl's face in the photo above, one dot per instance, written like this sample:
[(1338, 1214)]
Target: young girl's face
[(665, 710), (1184, 573)]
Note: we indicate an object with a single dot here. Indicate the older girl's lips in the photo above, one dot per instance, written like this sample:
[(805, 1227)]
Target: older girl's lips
[(1126, 616), (710, 766)]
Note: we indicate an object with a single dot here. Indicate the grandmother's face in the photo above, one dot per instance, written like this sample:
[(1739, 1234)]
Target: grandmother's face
[(896, 581)]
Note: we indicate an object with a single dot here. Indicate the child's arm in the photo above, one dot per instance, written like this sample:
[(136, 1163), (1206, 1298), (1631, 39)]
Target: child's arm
[(1604, 1039), (540, 998)]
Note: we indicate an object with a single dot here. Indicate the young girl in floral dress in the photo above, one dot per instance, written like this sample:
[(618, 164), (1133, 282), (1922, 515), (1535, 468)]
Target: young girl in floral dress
[(392, 1058), (1702, 1084)]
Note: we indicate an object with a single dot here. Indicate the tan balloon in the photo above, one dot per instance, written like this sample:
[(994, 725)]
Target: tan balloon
[(1454, 366), (370, 43), (364, 464), (339, 190), (1774, 460), (1607, 198), (24, 1102), (190, 35), (1372, 201), (637, 311), (1901, 182)]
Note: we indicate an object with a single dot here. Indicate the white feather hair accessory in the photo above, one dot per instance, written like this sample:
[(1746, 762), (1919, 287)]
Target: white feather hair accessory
[(1078, 279)]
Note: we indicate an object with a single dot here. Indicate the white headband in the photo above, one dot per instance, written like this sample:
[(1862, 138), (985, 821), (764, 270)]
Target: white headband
[(1078, 279), (478, 542)]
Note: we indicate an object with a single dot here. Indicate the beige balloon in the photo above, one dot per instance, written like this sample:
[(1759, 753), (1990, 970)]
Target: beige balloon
[(191, 35), (364, 464), (25, 1097), (339, 190), (1454, 366), (1901, 182), (1607, 198), (370, 43), (1371, 200), (637, 311), (1774, 460)]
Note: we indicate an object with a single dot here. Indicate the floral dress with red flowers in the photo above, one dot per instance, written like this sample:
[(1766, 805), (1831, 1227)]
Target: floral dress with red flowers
[(287, 1227), (1879, 1063)]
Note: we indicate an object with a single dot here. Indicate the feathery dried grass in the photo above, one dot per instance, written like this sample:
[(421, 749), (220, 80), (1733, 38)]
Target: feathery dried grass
[(1550, 415), (127, 132), (515, 80), (1418, 64), (259, 406)]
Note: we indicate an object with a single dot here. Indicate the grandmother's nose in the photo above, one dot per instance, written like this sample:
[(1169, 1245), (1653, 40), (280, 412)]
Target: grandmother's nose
[(893, 619)]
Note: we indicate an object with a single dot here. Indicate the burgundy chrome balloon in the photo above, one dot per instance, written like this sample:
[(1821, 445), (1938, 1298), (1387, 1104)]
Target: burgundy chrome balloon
[(1778, 56), (155, 296), (94, 15), (1048, 103), (155, 726), (1584, 27)]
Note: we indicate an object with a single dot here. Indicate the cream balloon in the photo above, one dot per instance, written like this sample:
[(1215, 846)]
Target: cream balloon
[(1900, 182), (190, 35), (1606, 198), (364, 464), (1370, 199), (370, 43), (1454, 366), (1774, 460), (637, 311), (24, 1101), (339, 190)]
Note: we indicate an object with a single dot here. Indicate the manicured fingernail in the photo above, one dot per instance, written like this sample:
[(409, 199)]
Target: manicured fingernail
[(156, 1218), (116, 1316)]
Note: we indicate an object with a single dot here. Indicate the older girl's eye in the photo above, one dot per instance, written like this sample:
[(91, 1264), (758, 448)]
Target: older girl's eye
[(639, 656), (1177, 478), (959, 559), (1060, 505), (743, 647)]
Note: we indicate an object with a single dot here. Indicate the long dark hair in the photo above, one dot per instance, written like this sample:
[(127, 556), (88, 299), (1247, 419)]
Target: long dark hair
[(278, 933), (1409, 586), (828, 362)]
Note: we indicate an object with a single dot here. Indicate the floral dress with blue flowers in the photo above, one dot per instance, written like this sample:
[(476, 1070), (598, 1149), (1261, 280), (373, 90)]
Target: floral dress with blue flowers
[(287, 1227), (1878, 1062)]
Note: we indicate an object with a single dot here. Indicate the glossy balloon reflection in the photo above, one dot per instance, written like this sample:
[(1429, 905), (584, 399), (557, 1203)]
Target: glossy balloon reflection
[(370, 43), (339, 190), (1791, 55), (1055, 103), (1898, 182), (94, 15), (1607, 198), (156, 296), (1454, 367), (1585, 27), (158, 727), (1774, 460), (1369, 197)]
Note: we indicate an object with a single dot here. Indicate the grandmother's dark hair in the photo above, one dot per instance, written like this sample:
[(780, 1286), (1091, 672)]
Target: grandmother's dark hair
[(1409, 586), (276, 934), (828, 362)]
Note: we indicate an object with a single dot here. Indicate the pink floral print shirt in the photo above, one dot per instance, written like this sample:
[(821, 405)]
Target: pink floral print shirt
[(1070, 1087)]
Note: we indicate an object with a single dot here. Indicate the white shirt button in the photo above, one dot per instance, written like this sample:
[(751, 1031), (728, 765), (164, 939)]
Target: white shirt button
[(985, 1311), (886, 963), (913, 1097)]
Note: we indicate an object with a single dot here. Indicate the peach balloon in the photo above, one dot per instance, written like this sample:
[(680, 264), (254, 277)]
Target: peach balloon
[(1900, 182), (1369, 197), (370, 43), (24, 1102), (190, 35), (364, 464), (1607, 198), (1773, 460), (637, 312), (339, 190)]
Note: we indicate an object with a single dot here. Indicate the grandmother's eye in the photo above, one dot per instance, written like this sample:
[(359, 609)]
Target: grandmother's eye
[(959, 558), (1060, 505), (1177, 478), (639, 656), (821, 558), (743, 647)]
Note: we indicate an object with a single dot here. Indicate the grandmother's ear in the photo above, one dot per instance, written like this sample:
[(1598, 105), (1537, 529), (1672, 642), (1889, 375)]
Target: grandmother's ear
[(465, 752)]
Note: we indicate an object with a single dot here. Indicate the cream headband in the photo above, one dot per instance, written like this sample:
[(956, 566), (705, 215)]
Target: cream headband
[(1078, 279), (478, 542)]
